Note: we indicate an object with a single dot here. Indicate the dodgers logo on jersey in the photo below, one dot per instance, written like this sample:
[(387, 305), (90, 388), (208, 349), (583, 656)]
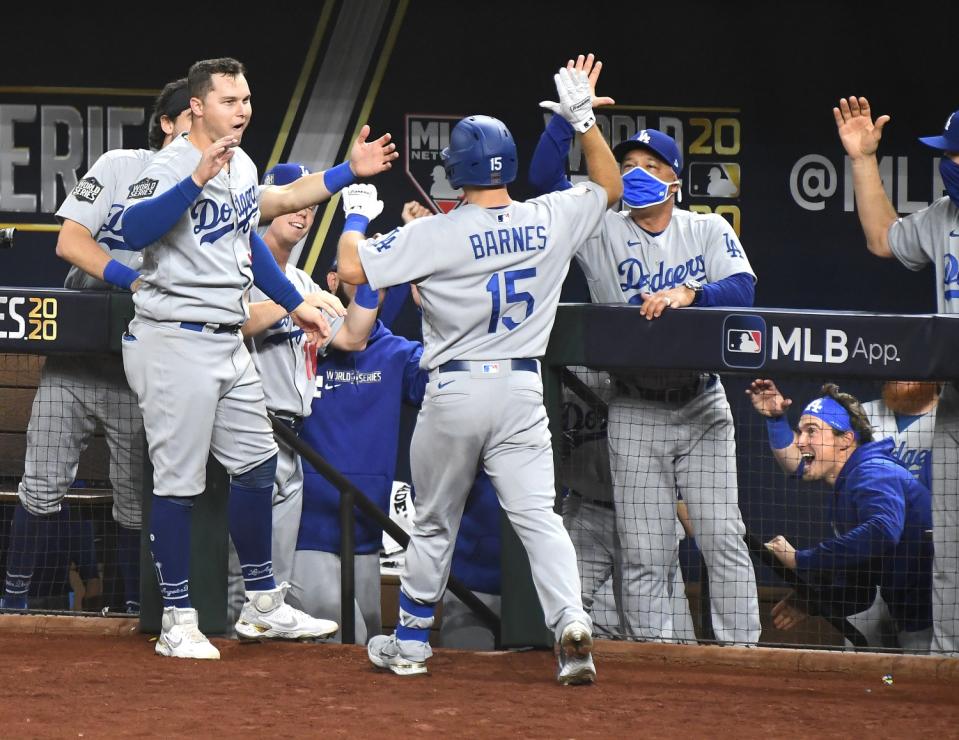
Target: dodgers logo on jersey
[(426, 137), (744, 341), (637, 278), (950, 277), (110, 234)]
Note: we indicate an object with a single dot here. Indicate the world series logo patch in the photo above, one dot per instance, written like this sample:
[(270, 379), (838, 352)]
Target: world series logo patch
[(143, 189), (87, 189)]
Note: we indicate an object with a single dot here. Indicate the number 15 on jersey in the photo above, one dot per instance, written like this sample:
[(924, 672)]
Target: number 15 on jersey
[(509, 287)]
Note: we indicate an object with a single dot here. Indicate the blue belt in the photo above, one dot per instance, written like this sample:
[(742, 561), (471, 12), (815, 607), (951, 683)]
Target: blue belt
[(456, 366), (211, 328)]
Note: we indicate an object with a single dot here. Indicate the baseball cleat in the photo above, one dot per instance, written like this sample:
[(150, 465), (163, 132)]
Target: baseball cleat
[(575, 656), (384, 652), (266, 616), (181, 637)]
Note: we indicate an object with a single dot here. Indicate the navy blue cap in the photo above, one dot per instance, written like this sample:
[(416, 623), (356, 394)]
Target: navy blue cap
[(949, 141), (284, 174), (663, 145)]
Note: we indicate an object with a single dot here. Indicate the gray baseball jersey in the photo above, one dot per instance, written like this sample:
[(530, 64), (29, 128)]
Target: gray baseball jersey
[(489, 279), (932, 235), (280, 357), (97, 202), (656, 448), (913, 443), (199, 270)]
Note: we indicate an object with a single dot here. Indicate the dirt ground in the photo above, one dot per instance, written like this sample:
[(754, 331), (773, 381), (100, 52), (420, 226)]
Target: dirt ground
[(94, 686)]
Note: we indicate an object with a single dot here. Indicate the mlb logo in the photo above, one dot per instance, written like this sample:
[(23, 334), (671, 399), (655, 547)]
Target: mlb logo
[(490, 367), (744, 341), (426, 137), (750, 342)]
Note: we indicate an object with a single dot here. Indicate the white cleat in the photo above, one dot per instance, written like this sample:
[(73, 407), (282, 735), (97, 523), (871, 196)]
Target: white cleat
[(266, 616), (181, 637), (384, 652), (576, 656)]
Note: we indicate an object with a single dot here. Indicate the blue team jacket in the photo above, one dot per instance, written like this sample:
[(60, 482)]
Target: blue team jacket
[(881, 515), (355, 426)]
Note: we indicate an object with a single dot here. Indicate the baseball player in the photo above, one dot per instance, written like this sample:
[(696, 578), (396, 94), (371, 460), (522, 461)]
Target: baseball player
[(930, 235), (77, 391), (489, 276), (667, 432), (880, 515), (286, 364), (904, 414), (355, 425), (194, 212)]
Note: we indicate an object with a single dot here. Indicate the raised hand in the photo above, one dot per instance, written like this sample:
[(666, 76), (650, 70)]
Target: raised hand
[(368, 158), (575, 99), (327, 302), (858, 134), (361, 199), (591, 68), (767, 399), (214, 159)]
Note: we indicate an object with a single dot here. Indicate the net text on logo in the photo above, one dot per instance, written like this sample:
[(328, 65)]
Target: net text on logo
[(803, 344)]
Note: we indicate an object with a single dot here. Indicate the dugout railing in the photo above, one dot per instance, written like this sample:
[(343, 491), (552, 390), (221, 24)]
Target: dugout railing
[(801, 350)]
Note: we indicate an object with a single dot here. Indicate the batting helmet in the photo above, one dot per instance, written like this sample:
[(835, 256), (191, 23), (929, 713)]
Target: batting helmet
[(481, 152)]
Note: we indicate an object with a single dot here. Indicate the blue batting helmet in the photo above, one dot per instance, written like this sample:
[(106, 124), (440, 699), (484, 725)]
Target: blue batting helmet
[(481, 152)]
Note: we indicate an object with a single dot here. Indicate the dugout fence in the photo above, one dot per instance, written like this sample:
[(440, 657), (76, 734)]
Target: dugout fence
[(608, 371)]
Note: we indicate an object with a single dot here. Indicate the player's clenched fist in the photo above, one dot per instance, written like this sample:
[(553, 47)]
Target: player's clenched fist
[(413, 210), (213, 159), (361, 200), (368, 158)]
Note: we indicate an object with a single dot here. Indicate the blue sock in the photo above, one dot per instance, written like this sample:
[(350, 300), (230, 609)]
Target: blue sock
[(28, 534), (128, 563), (170, 547), (251, 527)]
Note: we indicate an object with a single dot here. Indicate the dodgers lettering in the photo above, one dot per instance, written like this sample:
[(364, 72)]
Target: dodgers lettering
[(508, 241), (637, 278)]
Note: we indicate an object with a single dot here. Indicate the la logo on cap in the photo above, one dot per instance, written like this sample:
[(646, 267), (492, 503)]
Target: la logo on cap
[(644, 137)]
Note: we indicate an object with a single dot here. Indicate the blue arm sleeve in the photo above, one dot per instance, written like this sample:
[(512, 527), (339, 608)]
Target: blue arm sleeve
[(881, 508), (735, 290), (414, 377), (547, 168), (393, 303), (146, 222), (268, 278)]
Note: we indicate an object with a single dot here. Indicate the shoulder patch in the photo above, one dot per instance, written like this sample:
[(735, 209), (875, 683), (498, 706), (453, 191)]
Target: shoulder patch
[(88, 189), (143, 188)]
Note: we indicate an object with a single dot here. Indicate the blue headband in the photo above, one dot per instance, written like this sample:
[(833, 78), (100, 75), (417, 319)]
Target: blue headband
[(832, 412)]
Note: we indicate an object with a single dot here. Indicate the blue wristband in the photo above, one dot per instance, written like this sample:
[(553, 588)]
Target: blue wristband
[(339, 177), (356, 222), (780, 433), (118, 274), (366, 296)]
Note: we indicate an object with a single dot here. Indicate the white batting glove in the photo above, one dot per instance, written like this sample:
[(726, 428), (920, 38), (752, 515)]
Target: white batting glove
[(575, 99), (361, 200)]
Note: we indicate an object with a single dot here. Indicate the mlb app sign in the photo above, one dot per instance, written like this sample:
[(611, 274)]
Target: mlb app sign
[(744, 341)]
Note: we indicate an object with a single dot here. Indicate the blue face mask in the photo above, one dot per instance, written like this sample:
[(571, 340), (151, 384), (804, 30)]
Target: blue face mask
[(950, 178), (642, 190)]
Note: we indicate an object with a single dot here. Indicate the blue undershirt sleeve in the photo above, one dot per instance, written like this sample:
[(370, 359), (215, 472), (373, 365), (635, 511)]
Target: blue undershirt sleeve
[(735, 290), (268, 277), (547, 168), (144, 223)]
